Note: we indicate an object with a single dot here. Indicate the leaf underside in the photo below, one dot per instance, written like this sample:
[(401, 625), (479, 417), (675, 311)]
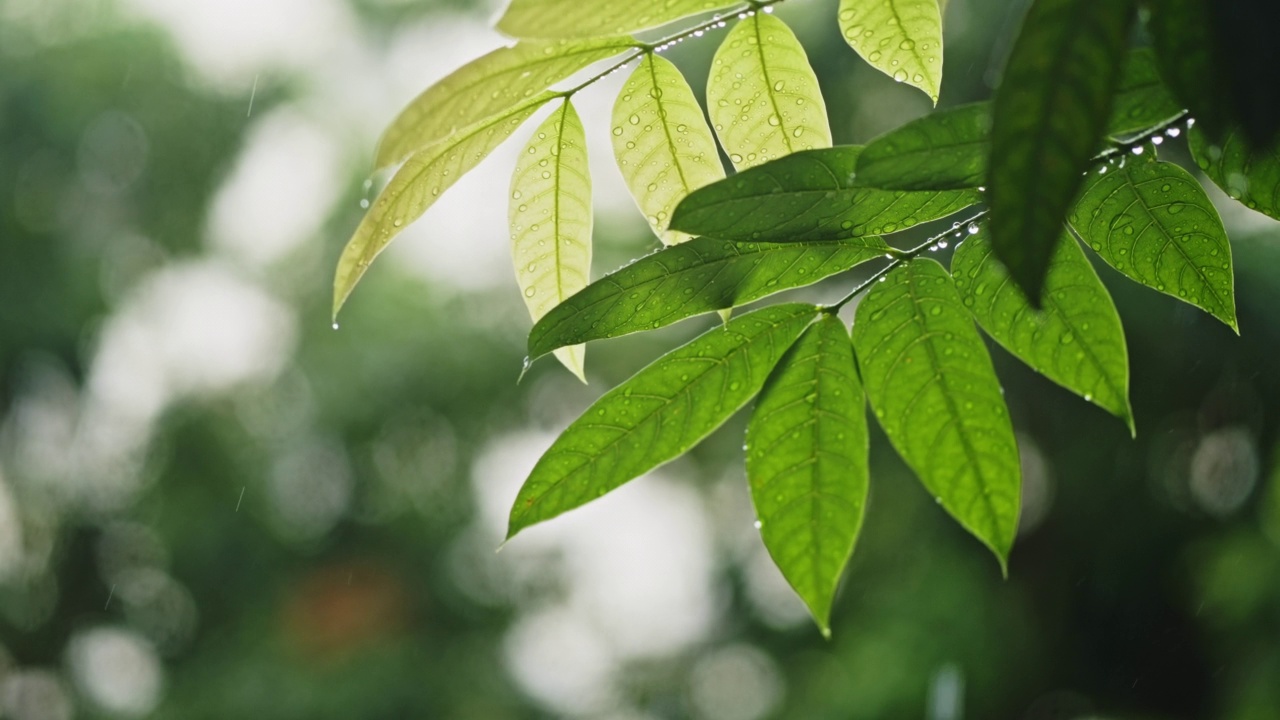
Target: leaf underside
[(900, 38), (662, 143), (762, 95), (930, 381), (1141, 99), (700, 276), (579, 19), (416, 187), (807, 447), (1253, 178), (1075, 340), (550, 218), (1153, 222), (1048, 118), (810, 196), (489, 86), (660, 413)]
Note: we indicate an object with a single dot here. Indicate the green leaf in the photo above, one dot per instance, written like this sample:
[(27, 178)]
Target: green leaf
[(700, 276), (1048, 118), (763, 96), (662, 143), (551, 220), (1253, 178), (489, 86), (809, 196), (1141, 100), (1076, 339), (931, 384), (579, 19), (946, 150), (807, 463), (1153, 222), (416, 187), (1182, 33), (901, 38), (660, 413)]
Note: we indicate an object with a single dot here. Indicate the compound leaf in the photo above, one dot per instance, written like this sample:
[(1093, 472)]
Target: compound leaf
[(945, 150), (763, 96), (662, 143), (416, 187), (1048, 118), (901, 38), (930, 381), (1153, 222), (660, 413), (807, 463), (1253, 178), (1076, 339), (700, 276), (579, 19), (488, 86), (809, 196), (550, 216)]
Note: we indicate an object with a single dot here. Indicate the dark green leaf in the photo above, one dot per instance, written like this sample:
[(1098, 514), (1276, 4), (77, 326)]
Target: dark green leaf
[(1153, 222), (581, 19), (1075, 341), (1142, 100), (763, 96), (1182, 32), (660, 413), (417, 186), (696, 277), (945, 150), (1048, 119), (900, 38), (931, 384), (489, 86), (809, 196), (1253, 178), (807, 463)]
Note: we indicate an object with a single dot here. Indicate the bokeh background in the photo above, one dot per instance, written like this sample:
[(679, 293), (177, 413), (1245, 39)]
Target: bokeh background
[(213, 505)]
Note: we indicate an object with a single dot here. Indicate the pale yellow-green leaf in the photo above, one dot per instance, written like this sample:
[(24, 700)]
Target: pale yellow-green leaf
[(416, 187), (488, 86), (594, 18), (551, 220), (763, 96), (662, 143), (901, 38)]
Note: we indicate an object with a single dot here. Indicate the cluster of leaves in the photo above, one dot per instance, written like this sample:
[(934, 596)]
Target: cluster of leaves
[(1065, 152)]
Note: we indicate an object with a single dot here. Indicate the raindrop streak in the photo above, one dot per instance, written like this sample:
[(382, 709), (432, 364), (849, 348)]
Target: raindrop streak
[(109, 596), (242, 488), (253, 94)]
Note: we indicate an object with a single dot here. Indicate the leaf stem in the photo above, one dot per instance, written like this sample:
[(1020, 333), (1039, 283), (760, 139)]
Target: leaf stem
[(1127, 146), (901, 258), (716, 22)]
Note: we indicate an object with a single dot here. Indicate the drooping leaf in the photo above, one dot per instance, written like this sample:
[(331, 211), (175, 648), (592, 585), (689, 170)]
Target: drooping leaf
[(763, 96), (930, 381), (1075, 340), (1253, 178), (416, 187), (662, 143), (901, 38), (809, 196), (1182, 34), (550, 219), (700, 276), (660, 413), (579, 19), (1048, 118), (807, 463), (1142, 100), (489, 86), (945, 150), (1153, 222)]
